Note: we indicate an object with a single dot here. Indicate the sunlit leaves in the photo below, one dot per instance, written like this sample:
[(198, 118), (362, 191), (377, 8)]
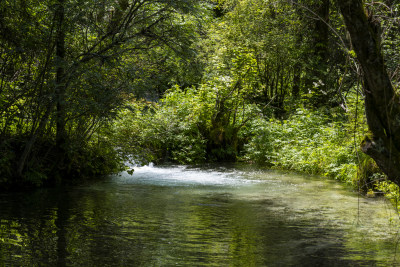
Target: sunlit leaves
[(308, 142)]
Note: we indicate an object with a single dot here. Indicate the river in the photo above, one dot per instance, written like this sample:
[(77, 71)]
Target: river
[(189, 216)]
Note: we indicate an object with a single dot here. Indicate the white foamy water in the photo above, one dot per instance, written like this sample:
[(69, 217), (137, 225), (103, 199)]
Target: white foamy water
[(182, 176)]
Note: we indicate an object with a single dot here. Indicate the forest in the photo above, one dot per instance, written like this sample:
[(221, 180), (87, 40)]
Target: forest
[(311, 86)]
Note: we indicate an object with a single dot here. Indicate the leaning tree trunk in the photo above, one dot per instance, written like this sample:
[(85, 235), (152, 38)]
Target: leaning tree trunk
[(382, 105)]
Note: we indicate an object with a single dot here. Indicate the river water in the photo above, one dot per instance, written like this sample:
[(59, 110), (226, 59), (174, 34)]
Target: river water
[(188, 216)]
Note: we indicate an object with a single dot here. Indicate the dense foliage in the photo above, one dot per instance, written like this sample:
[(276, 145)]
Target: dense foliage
[(67, 68), (191, 126), (308, 142), (88, 85)]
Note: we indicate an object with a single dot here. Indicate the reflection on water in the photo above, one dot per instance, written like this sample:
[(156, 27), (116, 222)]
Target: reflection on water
[(198, 217)]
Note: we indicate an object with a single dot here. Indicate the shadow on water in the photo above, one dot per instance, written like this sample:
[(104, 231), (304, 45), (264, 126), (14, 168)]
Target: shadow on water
[(196, 217)]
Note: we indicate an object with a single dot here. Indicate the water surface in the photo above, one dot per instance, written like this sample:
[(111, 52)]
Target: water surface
[(187, 216)]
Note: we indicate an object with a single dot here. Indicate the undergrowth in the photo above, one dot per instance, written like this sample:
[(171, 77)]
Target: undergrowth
[(321, 142), (307, 142), (315, 143)]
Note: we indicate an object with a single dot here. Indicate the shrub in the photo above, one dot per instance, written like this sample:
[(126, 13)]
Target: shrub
[(187, 126), (307, 142)]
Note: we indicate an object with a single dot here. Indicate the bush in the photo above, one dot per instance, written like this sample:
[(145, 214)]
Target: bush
[(160, 132), (82, 159), (391, 191), (307, 142), (187, 126)]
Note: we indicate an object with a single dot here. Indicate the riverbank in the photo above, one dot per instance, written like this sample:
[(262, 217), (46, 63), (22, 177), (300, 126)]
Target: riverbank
[(313, 143), (183, 129)]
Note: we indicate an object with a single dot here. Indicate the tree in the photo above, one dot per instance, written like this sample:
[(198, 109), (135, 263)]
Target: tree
[(67, 69), (382, 104), (317, 78), (321, 62)]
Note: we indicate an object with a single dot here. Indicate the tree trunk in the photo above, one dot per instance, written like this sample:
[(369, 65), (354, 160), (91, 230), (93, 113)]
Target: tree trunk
[(381, 103), (321, 52), (296, 81), (298, 65), (60, 75), (321, 32)]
